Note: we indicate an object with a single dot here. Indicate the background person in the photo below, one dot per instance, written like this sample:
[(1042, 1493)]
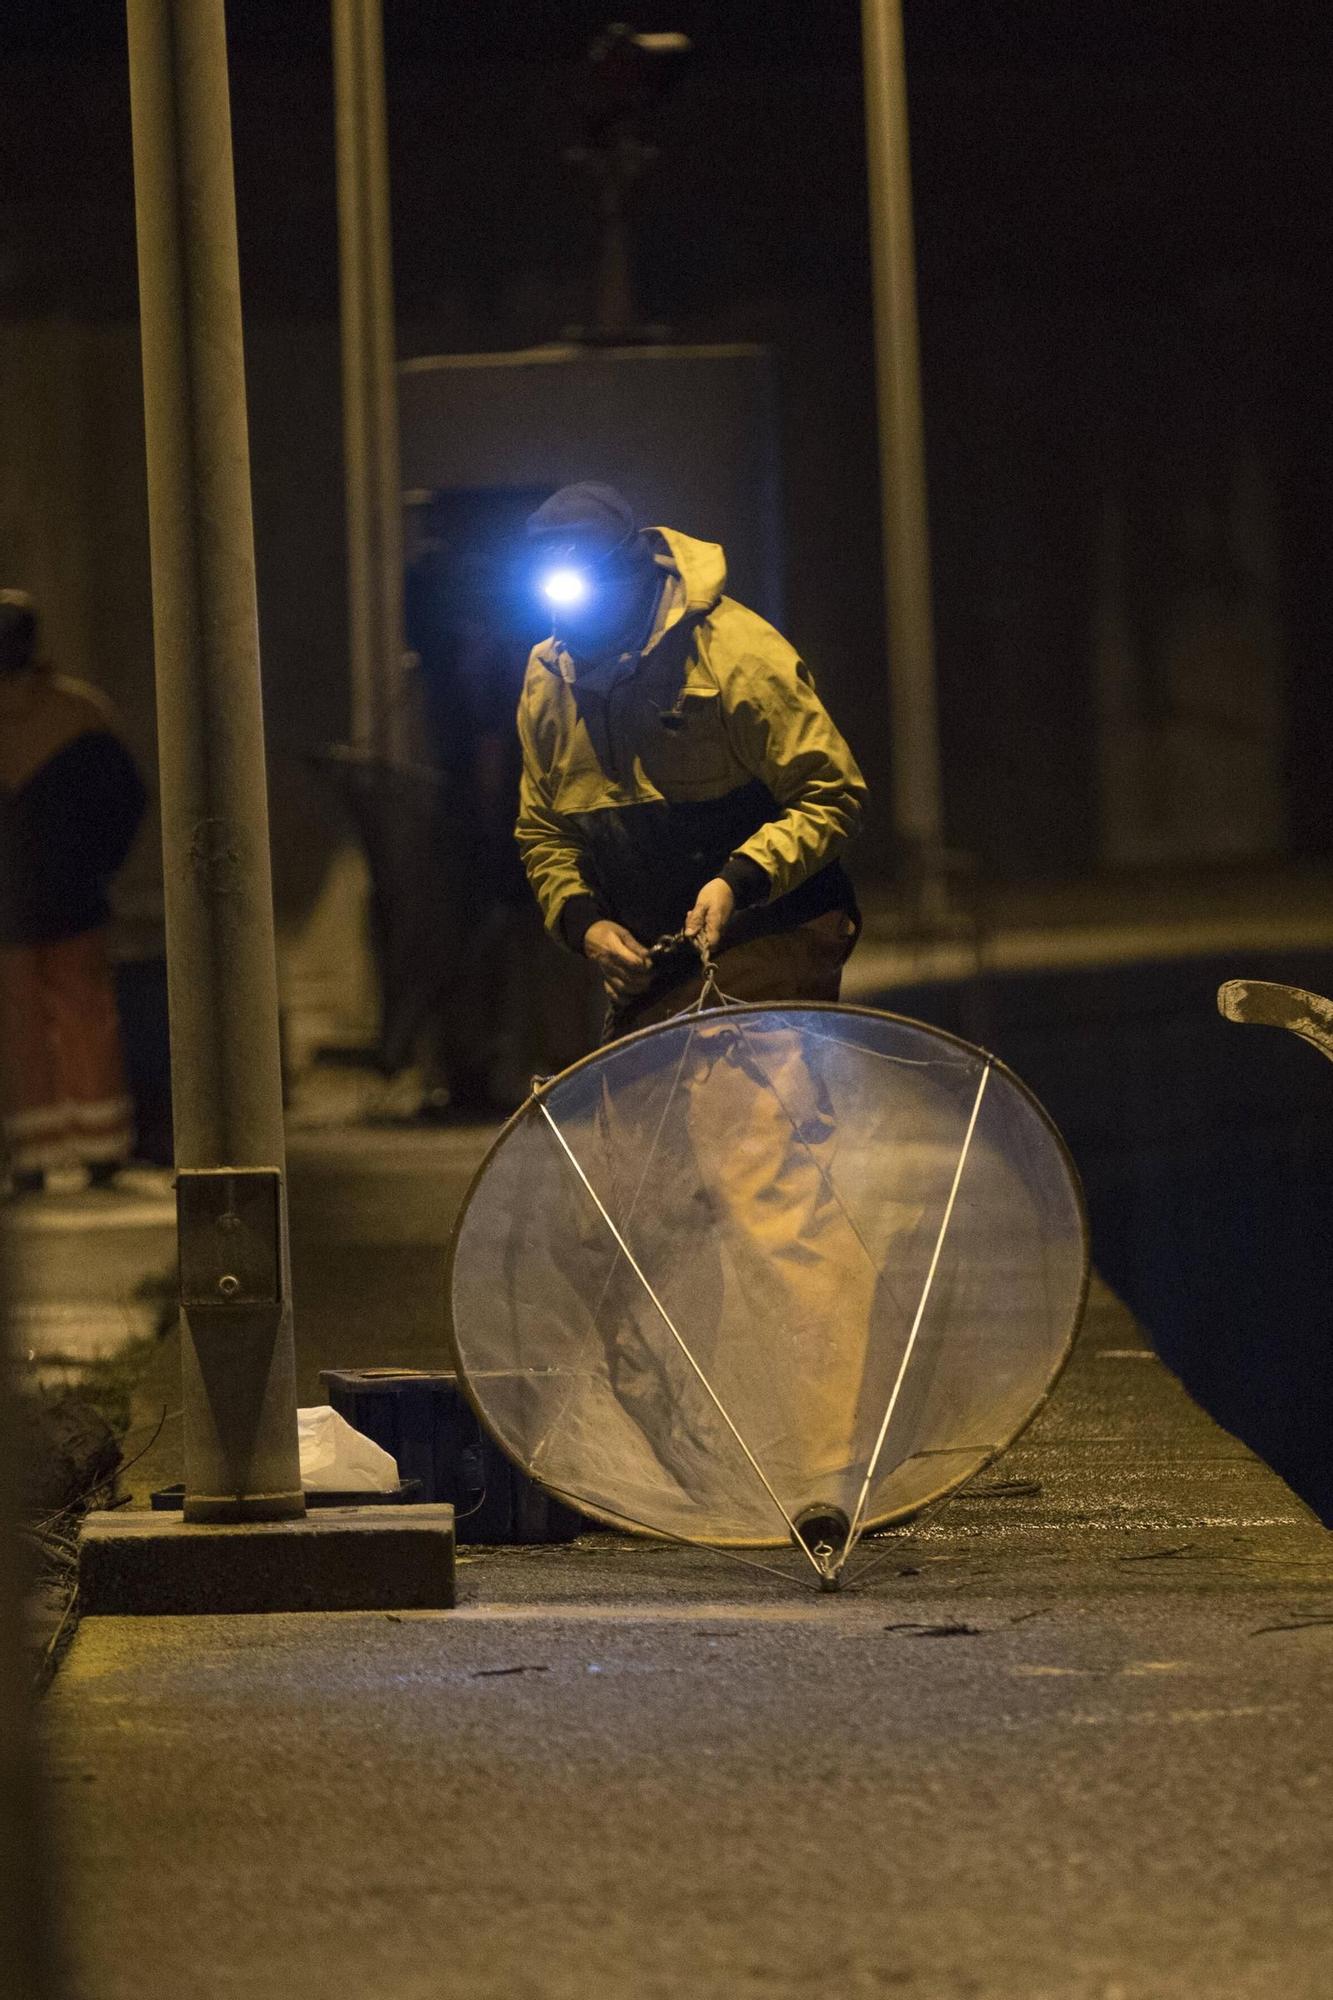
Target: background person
[(454, 1014), (71, 800)]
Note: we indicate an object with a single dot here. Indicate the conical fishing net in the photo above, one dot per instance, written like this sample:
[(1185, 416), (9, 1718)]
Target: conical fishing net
[(759, 1261)]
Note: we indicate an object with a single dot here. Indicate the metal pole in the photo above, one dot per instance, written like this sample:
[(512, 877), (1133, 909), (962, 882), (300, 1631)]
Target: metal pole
[(241, 1458), (917, 805), (370, 388), (383, 362), (350, 138)]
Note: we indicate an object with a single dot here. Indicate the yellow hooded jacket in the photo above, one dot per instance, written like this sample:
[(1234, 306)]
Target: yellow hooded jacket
[(706, 753)]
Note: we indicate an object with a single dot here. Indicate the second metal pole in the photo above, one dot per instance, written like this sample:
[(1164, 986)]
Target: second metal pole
[(917, 801), (370, 386)]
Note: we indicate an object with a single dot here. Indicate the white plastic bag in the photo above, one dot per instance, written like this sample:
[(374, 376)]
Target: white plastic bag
[(337, 1459)]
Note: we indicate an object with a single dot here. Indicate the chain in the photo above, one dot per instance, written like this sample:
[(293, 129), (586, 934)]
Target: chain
[(666, 947)]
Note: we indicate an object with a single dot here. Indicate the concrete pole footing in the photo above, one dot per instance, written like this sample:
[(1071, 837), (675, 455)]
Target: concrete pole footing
[(336, 1559)]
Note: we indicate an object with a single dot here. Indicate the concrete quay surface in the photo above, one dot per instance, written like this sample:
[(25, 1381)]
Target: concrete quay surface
[(1071, 1740)]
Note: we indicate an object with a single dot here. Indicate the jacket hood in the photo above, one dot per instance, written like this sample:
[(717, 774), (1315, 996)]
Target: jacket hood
[(696, 577)]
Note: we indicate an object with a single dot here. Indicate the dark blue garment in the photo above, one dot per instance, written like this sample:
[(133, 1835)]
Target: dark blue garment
[(64, 833), (644, 864)]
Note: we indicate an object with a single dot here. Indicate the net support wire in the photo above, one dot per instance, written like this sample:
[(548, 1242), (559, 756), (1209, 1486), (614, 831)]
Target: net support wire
[(651, 1156), (673, 1330), (825, 1563), (854, 1529), (827, 1568), (600, 1507)]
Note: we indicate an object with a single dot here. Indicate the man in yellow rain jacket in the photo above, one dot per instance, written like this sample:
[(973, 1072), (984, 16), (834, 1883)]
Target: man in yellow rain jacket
[(679, 771)]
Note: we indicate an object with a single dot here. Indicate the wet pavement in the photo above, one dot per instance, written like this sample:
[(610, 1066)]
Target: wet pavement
[(1071, 1741)]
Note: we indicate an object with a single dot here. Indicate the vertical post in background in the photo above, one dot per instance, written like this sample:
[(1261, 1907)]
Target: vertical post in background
[(917, 795), (370, 387), (241, 1458)]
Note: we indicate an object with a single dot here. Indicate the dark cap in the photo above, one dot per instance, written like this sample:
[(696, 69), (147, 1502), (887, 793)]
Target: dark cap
[(596, 518)]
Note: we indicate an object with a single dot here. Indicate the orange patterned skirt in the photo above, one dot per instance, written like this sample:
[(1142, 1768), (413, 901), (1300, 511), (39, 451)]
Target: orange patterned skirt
[(63, 1098)]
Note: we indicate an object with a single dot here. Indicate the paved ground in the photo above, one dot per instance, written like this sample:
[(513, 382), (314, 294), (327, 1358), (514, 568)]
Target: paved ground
[(1072, 1742), (89, 1270), (1128, 918)]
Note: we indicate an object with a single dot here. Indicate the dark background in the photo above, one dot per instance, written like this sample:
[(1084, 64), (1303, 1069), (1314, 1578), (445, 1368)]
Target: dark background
[(1124, 216)]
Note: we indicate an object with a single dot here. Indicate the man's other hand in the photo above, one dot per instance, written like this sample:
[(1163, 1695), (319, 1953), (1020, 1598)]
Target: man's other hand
[(712, 912), (624, 965)]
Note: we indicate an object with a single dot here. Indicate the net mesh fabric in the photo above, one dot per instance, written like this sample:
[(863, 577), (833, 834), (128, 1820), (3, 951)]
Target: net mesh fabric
[(700, 1269)]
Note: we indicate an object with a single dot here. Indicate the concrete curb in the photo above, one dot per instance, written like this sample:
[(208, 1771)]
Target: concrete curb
[(339, 1559)]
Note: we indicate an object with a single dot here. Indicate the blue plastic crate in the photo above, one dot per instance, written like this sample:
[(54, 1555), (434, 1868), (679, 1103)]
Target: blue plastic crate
[(429, 1426)]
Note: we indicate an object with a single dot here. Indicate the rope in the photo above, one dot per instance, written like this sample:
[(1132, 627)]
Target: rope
[(710, 993)]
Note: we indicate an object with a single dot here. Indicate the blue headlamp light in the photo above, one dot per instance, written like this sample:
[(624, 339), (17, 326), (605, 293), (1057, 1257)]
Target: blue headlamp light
[(570, 578), (565, 586)]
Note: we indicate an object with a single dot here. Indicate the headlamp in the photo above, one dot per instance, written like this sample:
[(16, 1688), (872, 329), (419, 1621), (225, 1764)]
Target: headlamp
[(571, 574), (564, 587)]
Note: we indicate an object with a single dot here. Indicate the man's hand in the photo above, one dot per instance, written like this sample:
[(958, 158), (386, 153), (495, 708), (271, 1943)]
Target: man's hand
[(712, 912), (621, 960)]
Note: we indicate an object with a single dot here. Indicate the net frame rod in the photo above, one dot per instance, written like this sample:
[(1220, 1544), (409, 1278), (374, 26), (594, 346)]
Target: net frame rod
[(558, 1418), (854, 1531), (671, 1328)]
